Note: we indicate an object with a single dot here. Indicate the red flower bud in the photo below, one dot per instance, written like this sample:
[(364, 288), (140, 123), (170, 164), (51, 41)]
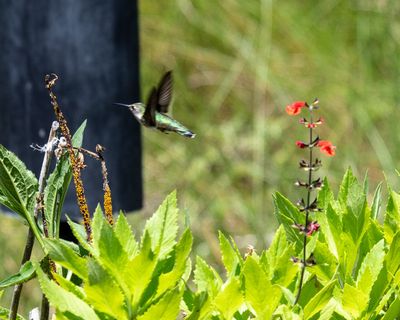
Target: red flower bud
[(312, 227), (301, 144), (295, 108)]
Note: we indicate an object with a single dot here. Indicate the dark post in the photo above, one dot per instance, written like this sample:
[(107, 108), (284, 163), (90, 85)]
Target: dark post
[(93, 47)]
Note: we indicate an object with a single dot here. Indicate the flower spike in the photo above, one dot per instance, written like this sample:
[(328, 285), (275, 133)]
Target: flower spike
[(309, 207)]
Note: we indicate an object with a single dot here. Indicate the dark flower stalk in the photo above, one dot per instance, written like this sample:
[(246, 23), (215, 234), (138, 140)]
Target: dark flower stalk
[(310, 205)]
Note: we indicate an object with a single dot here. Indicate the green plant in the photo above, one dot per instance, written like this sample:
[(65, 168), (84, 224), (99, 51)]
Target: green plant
[(18, 192), (355, 276), (121, 278), (114, 276)]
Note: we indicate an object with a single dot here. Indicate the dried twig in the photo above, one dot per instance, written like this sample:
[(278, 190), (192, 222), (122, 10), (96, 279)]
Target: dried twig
[(106, 187), (50, 81)]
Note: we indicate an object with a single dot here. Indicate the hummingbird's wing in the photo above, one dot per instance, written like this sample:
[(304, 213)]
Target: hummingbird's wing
[(164, 92), (150, 111)]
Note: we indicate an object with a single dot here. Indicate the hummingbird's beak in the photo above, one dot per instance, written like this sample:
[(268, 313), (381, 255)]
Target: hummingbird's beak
[(121, 104)]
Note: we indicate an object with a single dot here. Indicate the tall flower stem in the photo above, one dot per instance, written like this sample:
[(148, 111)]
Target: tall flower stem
[(308, 206), (307, 210)]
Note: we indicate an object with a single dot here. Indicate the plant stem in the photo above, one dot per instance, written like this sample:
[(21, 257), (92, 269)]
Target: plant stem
[(50, 81), (303, 262), (31, 237), (45, 307), (106, 187), (18, 288)]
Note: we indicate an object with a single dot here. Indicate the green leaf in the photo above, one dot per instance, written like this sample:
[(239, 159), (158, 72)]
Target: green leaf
[(311, 287), (377, 202), (229, 300), (97, 226), (327, 263), (393, 311), (163, 227), (57, 186), (231, 259), (259, 291), (285, 312), (138, 272), (181, 254), (18, 187), (354, 300), (69, 286), (370, 268), (392, 217), (328, 311), (63, 300), (199, 304), (331, 227), (288, 295), (4, 314), (103, 293), (77, 138), (165, 308), (347, 257), (354, 202), (320, 300), (348, 182), (392, 257), (379, 294), (64, 255), (123, 231), (111, 254), (79, 233), (26, 273), (287, 214), (371, 237), (325, 195), (281, 270), (206, 278)]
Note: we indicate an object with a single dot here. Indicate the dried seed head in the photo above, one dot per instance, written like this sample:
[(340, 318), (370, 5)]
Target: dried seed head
[(50, 80), (62, 142), (58, 153), (100, 148), (249, 252)]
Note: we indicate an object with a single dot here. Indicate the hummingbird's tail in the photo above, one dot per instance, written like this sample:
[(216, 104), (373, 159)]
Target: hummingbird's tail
[(187, 134), (121, 104)]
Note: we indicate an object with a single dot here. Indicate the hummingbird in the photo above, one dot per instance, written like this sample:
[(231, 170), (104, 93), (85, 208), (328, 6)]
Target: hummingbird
[(154, 113)]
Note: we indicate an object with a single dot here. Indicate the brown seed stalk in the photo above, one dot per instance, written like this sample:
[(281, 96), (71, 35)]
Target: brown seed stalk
[(106, 187), (50, 81)]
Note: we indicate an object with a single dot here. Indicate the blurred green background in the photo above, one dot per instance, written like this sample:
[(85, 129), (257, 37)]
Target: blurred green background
[(237, 64)]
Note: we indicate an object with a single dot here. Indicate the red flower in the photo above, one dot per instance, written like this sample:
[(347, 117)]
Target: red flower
[(301, 144), (312, 227), (295, 108), (326, 147)]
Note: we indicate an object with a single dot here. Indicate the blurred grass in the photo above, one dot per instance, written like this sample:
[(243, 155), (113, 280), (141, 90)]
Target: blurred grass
[(237, 64), (12, 240)]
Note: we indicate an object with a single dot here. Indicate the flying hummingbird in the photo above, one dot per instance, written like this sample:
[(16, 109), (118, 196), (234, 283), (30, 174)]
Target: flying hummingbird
[(154, 113)]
